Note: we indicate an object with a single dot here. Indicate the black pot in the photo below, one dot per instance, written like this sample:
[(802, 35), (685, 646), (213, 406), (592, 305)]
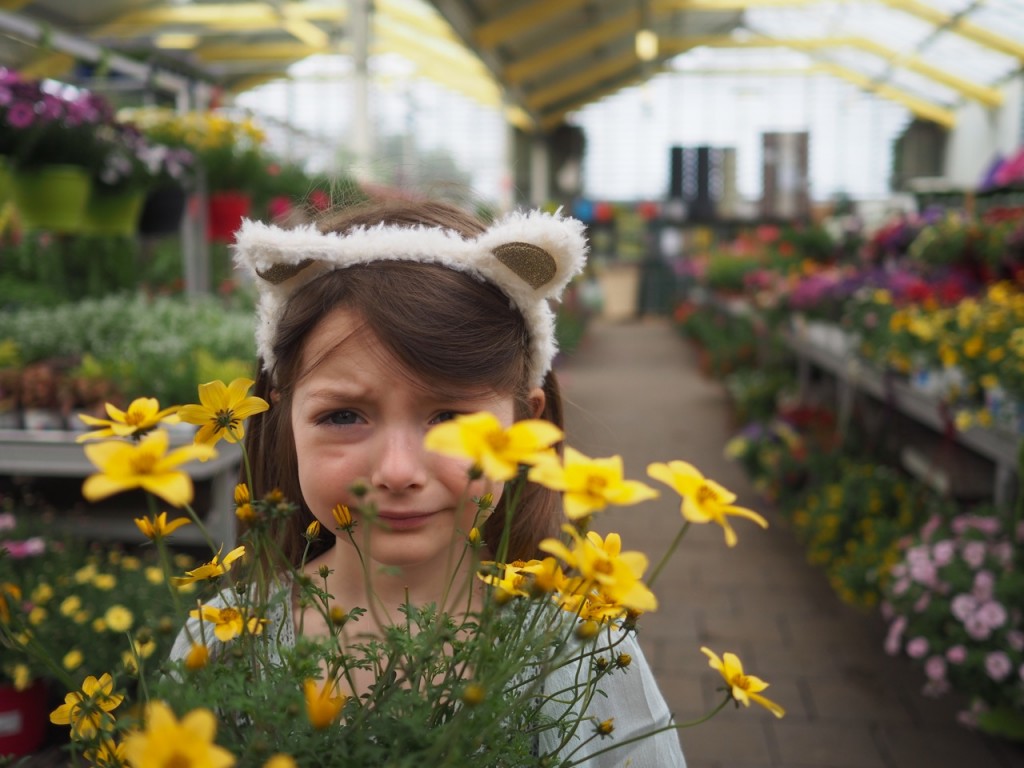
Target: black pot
[(163, 209)]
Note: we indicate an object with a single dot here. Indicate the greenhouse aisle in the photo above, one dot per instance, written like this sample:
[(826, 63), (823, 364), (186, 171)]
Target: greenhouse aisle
[(634, 388)]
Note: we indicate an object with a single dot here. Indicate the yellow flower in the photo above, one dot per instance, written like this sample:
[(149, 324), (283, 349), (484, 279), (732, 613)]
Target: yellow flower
[(167, 742), (43, 593), (742, 688), (703, 500), (154, 575), (342, 516), (37, 615), (157, 527), (509, 581), (280, 761), (88, 711), (493, 449), (241, 494), (212, 569), (21, 676), (228, 623), (148, 465), (142, 415), (601, 562), (323, 703), (70, 605), (118, 618), (104, 581), (222, 410), (8, 593), (313, 529), (107, 754), (72, 660), (198, 656), (590, 485)]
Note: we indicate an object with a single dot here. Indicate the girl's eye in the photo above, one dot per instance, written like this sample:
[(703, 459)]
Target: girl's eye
[(341, 418), (443, 416)]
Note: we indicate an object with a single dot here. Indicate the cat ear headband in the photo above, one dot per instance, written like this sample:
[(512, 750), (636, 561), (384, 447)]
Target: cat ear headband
[(530, 256)]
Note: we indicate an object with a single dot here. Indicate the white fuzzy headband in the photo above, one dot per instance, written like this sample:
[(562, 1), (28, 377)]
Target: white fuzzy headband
[(530, 256)]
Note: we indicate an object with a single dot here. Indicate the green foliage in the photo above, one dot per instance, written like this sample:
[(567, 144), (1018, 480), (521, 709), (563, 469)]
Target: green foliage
[(148, 346)]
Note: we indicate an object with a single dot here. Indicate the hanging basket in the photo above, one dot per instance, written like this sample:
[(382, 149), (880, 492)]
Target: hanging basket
[(23, 718), (163, 210), (113, 214), (225, 213), (51, 197)]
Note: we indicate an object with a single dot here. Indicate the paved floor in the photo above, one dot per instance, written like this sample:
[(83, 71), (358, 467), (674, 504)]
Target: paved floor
[(634, 389)]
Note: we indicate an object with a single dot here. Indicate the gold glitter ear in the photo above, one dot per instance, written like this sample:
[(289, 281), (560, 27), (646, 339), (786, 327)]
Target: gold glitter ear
[(530, 262), (278, 273)]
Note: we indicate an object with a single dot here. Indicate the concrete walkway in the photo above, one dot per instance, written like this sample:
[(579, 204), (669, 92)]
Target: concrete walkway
[(633, 388)]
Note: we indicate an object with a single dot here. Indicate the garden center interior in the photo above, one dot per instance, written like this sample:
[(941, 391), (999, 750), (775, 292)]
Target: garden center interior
[(806, 276)]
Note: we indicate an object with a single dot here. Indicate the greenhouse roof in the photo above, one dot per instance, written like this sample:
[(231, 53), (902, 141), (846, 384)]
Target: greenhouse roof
[(541, 59)]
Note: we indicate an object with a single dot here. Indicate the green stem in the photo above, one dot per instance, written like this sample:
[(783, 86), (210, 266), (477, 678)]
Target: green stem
[(655, 732), (668, 554)]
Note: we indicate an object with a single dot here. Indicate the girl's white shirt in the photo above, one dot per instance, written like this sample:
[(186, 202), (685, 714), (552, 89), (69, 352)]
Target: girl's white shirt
[(632, 700)]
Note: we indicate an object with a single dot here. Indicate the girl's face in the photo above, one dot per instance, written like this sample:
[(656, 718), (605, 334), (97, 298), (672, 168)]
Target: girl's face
[(357, 418)]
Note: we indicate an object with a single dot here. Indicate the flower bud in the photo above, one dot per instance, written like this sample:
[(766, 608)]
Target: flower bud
[(587, 630), (474, 694)]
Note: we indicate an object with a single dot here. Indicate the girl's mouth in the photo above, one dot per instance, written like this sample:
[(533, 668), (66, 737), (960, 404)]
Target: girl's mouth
[(403, 521)]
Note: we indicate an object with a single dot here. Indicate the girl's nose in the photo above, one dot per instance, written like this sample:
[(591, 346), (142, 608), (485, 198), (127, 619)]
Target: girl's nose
[(400, 463)]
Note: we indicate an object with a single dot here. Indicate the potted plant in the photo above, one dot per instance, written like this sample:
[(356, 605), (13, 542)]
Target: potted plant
[(55, 153)]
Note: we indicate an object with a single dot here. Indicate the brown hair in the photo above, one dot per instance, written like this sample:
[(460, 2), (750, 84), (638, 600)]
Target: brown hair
[(446, 329)]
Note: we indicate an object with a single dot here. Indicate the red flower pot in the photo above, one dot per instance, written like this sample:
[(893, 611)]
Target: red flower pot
[(225, 213), (23, 718)]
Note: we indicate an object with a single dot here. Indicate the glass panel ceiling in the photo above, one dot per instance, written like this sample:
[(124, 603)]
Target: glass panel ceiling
[(918, 47)]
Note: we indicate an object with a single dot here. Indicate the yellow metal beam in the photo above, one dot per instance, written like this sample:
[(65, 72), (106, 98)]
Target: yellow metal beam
[(219, 13), (427, 23), (550, 120), (920, 107), (725, 5), (458, 58), (990, 97), (493, 33), (573, 84), (572, 48), (53, 65), (960, 26), (255, 52), (307, 32)]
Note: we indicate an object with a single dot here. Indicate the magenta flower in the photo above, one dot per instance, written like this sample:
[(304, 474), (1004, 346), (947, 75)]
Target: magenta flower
[(956, 654), (935, 668), (20, 115)]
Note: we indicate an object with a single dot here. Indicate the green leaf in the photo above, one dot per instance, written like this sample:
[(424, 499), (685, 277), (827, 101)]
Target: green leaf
[(1004, 722)]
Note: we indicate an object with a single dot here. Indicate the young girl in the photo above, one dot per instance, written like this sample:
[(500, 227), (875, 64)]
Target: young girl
[(374, 326)]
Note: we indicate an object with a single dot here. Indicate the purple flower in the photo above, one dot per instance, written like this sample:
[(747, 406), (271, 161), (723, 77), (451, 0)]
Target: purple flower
[(20, 115), (917, 648), (998, 665), (956, 654)]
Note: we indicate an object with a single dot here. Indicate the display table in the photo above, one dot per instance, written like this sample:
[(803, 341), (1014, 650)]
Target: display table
[(54, 453)]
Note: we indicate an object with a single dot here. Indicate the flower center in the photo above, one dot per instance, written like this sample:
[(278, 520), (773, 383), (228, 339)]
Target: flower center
[(143, 463), (177, 760), (226, 420), (705, 494), (596, 485)]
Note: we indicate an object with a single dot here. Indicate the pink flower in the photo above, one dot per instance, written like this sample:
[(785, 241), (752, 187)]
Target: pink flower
[(998, 665), (974, 553), (1016, 639), (918, 554), (886, 609), (922, 602), (935, 688), (917, 648), (894, 637), (984, 582), (924, 572), (930, 527), (993, 614), (935, 668), (963, 606), (976, 628), (1003, 552), (956, 654), (7, 522), (943, 552), (27, 548), (900, 586)]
